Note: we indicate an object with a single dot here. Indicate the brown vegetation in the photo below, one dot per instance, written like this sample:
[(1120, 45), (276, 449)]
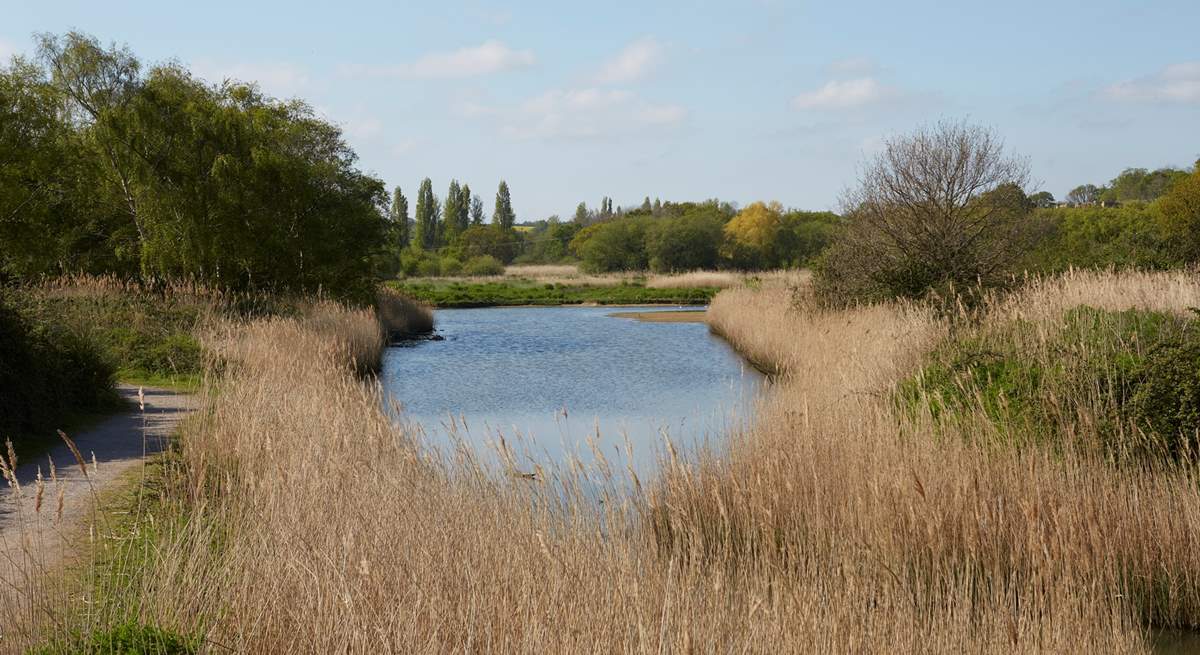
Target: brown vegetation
[(299, 518)]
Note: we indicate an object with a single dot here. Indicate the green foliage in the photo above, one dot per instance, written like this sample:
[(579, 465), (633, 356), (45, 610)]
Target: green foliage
[(1180, 216), (1166, 396), (683, 243), (503, 216), (518, 292), (128, 638), (1135, 372), (156, 173), (483, 265), (1098, 237), (450, 266), (617, 245), (481, 240), (50, 373), (425, 221)]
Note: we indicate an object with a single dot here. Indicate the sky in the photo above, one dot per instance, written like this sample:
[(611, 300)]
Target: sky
[(743, 101)]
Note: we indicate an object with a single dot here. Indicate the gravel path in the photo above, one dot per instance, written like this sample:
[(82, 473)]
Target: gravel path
[(31, 541)]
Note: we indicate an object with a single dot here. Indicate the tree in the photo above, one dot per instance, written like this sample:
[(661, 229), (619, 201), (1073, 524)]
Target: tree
[(657, 209), (940, 207), (1083, 194), (1042, 199), (451, 210), (684, 243), (1180, 212), (159, 174), (425, 228), (476, 210), (503, 216), (646, 206), (752, 235), (398, 217), (617, 245), (581, 213), (464, 208)]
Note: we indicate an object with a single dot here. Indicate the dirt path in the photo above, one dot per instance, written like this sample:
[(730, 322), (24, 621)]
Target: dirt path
[(34, 541)]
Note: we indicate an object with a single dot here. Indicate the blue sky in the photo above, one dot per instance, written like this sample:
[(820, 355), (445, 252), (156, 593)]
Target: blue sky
[(686, 100)]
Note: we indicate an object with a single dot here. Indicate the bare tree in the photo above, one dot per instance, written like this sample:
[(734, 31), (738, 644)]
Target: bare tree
[(943, 205)]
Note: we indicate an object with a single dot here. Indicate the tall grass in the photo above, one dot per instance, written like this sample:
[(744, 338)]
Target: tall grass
[(300, 519)]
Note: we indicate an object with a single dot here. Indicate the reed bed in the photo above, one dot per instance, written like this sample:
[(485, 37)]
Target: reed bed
[(719, 279), (302, 519), (538, 271)]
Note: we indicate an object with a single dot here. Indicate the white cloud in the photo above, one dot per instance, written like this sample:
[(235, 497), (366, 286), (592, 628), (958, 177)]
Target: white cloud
[(1175, 83), (633, 63), (276, 78), (485, 59), (843, 94), (588, 113)]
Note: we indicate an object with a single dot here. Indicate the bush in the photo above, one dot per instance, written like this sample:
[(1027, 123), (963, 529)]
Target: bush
[(1166, 399), (483, 265), (1131, 372), (49, 374), (450, 266)]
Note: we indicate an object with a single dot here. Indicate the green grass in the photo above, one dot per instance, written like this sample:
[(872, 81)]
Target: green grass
[(445, 294)]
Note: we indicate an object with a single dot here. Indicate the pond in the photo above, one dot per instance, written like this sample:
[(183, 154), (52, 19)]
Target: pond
[(553, 379)]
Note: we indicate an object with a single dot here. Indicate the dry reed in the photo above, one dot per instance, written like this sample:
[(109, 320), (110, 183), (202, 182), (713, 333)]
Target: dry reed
[(310, 523)]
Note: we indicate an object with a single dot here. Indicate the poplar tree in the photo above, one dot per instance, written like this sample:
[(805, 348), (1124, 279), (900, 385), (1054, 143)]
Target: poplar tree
[(503, 216), (399, 219), (450, 212), (476, 210), (464, 208), (581, 213), (425, 232), (646, 206)]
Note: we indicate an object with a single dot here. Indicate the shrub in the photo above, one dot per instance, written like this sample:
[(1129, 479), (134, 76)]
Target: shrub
[(483, 265), (1166, 399), (48, 373), (450, 266), (1131, 369)]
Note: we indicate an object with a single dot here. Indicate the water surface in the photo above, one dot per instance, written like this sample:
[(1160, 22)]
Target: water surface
[(553, 377)]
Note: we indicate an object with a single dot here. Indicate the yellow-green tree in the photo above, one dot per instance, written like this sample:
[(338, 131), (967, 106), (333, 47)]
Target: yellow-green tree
[(751, 236), (1180, 211)]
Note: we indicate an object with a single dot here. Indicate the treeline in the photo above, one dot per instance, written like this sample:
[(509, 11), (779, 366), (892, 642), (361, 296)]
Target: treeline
[(112, 167), (448, 236), (1132, 185), (689, 236)]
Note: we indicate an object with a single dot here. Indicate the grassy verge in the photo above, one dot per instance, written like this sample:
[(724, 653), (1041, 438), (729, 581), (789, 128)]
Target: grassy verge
[(446, 294), (137, 514)]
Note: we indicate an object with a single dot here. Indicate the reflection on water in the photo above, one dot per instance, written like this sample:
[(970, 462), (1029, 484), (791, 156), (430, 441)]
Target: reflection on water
[(1171, 641), (553, 378)]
